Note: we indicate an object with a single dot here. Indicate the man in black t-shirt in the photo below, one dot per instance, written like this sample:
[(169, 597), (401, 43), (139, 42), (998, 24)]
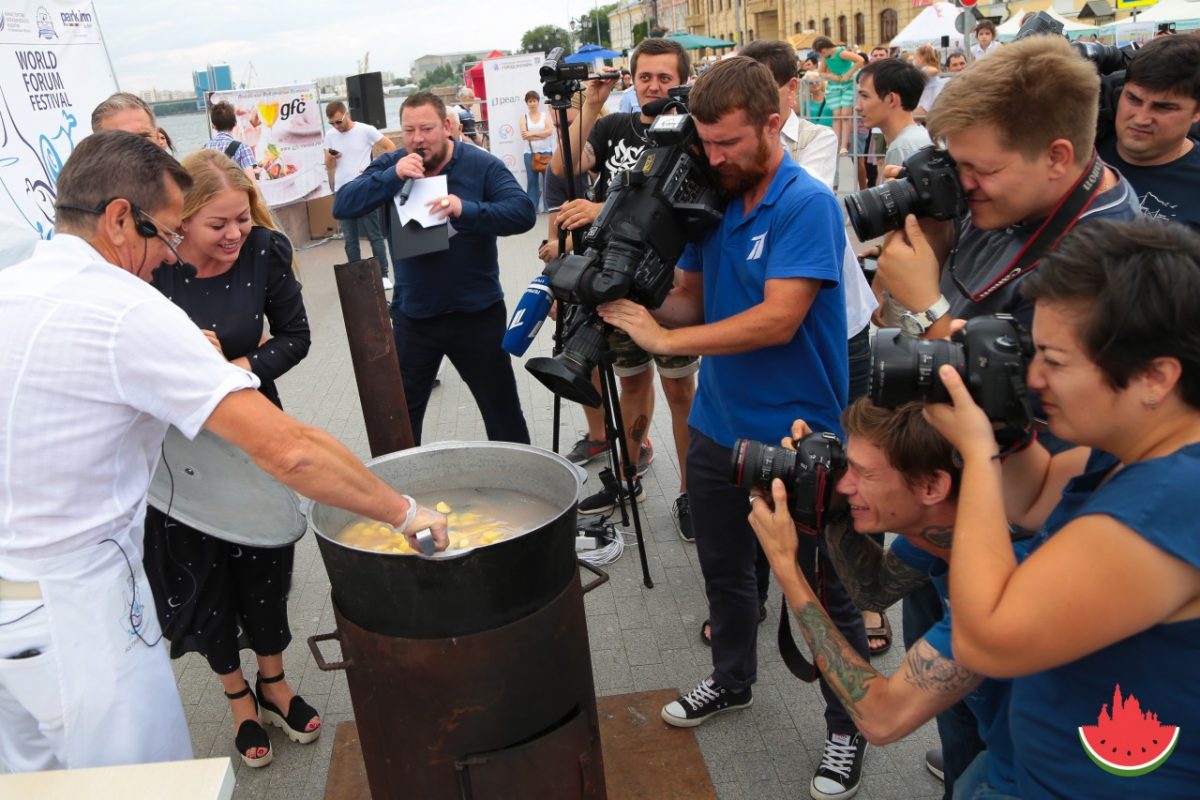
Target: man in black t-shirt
[(613, 144), (1159, 103)]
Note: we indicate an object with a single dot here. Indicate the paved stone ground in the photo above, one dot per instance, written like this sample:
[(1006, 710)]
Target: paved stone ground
[(641, 638)]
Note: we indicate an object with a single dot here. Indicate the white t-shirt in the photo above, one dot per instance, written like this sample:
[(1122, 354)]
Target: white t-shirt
[(541, 145), (907, 142), (355, 146), (96, 364), (933, 87)]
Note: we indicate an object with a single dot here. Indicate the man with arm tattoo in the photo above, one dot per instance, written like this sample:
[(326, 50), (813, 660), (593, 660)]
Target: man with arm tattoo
[(900, 478)]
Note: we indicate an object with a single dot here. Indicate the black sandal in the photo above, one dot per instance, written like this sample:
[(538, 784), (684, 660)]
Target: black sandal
[(706, 628), (251, 734), (298, 715)]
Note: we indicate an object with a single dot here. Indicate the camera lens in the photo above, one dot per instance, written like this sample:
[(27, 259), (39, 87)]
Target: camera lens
[(876, 211), (904, 369), (756, 464)]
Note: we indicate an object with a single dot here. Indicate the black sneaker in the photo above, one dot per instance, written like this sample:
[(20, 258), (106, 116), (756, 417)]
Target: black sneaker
[(841, 767), (605, 501), (703, 702), (682, 512), (587, 449), (934, 763)]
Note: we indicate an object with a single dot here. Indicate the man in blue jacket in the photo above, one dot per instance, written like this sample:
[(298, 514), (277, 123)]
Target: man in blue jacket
[(449, 303)]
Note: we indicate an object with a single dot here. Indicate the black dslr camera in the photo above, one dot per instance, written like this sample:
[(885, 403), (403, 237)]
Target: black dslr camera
[(669, 198), (991, 354), (810, 473), (927, 187)]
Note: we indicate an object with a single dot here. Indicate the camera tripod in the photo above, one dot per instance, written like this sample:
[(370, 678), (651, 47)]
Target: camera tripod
[(559, 93)]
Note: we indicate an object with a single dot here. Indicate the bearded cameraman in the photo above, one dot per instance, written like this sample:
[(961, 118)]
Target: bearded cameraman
[(1020, 126)]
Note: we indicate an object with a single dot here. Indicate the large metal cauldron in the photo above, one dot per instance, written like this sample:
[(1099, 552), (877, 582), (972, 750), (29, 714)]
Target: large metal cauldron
[(470, 673)]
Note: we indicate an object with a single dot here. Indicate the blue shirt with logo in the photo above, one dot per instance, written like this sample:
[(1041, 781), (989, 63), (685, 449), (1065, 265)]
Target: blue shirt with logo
[(989, 702), (796, 231), (1157, 500)]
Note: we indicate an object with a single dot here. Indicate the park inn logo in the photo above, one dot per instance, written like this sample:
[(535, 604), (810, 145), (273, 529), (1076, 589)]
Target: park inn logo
[(757, 243)]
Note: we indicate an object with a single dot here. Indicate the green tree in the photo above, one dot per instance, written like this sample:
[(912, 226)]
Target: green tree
[(444, 75), (584, 27), (545, 38)]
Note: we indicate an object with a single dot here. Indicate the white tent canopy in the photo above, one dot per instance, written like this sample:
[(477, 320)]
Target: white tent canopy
[(1169, 11), (1013, 24), (930, 26)]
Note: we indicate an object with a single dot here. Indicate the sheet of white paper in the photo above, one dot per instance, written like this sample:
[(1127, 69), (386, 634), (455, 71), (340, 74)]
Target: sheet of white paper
[(424, 190)]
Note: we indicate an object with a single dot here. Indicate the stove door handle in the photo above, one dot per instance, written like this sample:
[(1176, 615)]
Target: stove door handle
[(322, 664), (601, 576)]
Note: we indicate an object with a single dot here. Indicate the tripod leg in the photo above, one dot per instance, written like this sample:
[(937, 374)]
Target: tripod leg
[(616, 438)]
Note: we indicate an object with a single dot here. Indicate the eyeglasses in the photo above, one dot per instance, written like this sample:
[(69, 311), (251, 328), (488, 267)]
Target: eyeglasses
[(147, 225), (172, 238), (340, 120)]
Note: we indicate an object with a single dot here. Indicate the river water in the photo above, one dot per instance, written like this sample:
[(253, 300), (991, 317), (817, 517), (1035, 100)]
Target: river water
[(190, 131)]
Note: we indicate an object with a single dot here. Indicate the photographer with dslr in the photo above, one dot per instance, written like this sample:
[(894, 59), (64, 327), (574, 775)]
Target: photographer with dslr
[(761, 298), (899, 476), (1012, 185), (1158, 105), (1111, 594)]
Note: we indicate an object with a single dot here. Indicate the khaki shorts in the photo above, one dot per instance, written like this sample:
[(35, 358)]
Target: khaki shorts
[(630, 360)]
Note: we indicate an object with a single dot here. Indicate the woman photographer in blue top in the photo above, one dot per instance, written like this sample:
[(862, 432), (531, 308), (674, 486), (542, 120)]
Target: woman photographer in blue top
[(1111, 597)]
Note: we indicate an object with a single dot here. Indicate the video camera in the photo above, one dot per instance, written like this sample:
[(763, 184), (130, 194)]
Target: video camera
[(667, 199), (991, 354), (810, 473)]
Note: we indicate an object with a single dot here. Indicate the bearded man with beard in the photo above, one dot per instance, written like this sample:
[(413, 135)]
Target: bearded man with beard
[(761, 298)]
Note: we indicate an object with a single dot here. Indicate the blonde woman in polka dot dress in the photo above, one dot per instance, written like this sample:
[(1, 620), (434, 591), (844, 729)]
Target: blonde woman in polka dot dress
[(213, 597)]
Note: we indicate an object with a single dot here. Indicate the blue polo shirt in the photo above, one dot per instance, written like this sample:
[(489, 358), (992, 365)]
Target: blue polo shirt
[(796, 231), (990, 700)]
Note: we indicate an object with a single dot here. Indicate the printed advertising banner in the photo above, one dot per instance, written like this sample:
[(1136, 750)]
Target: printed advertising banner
[(53, 72), (283, 126), (507, 80)]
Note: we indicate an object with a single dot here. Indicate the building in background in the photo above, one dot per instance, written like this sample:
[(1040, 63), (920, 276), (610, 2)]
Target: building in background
[(428, 63), (216, 78)]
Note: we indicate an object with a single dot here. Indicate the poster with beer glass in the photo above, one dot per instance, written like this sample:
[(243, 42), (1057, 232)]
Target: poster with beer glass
[(283, 126)]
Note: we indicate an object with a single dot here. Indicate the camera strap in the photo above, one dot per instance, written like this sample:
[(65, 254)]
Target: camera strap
[(1062, 219), (793, 659)]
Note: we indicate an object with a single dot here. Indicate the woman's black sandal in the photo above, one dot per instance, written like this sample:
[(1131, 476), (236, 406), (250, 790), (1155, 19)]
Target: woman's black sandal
[(298, 715), (250, 734)]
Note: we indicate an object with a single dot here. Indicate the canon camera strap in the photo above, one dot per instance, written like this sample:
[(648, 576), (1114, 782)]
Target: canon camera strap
[(793, 659), (1061, 220)]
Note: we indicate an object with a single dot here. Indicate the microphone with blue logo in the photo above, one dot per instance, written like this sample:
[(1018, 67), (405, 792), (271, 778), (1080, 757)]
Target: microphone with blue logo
[(528, 318)]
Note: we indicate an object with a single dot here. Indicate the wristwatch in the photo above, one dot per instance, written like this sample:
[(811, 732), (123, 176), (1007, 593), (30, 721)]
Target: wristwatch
[(916, 324)]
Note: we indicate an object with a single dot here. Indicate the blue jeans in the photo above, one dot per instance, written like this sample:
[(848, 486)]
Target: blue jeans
[(370, 227), (533, 181), (973, 783)]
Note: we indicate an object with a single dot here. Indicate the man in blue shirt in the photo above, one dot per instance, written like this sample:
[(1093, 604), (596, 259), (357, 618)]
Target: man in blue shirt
[(449, 303), (224, 120), (902, 478), (760, 298)]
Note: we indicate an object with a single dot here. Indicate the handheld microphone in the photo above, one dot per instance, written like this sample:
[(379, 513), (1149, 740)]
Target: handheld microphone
[(407, 187), (527, 320)]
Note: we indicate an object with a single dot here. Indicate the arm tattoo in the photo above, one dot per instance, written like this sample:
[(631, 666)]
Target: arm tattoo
[(928, 670), (843, 668), (875, 578)]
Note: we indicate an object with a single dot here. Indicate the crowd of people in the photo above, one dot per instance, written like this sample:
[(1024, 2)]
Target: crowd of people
[(1067, 555)]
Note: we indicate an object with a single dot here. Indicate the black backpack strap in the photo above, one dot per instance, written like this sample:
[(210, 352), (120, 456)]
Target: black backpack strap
[(232, 149)]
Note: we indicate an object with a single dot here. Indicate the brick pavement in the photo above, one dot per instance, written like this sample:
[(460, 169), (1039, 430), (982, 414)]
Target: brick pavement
[(641, 638)]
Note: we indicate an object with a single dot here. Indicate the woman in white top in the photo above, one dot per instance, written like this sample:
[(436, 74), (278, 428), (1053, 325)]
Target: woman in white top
[(537, 130)]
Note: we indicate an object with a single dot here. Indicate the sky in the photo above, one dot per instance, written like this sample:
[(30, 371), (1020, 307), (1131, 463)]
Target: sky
[(158, 44)]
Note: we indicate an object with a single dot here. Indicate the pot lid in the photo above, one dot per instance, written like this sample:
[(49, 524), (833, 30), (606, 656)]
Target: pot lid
[(215, 488)]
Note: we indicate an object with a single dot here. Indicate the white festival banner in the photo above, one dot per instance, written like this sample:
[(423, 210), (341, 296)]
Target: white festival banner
[(283, 126), (507, 80), (53, 71)]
